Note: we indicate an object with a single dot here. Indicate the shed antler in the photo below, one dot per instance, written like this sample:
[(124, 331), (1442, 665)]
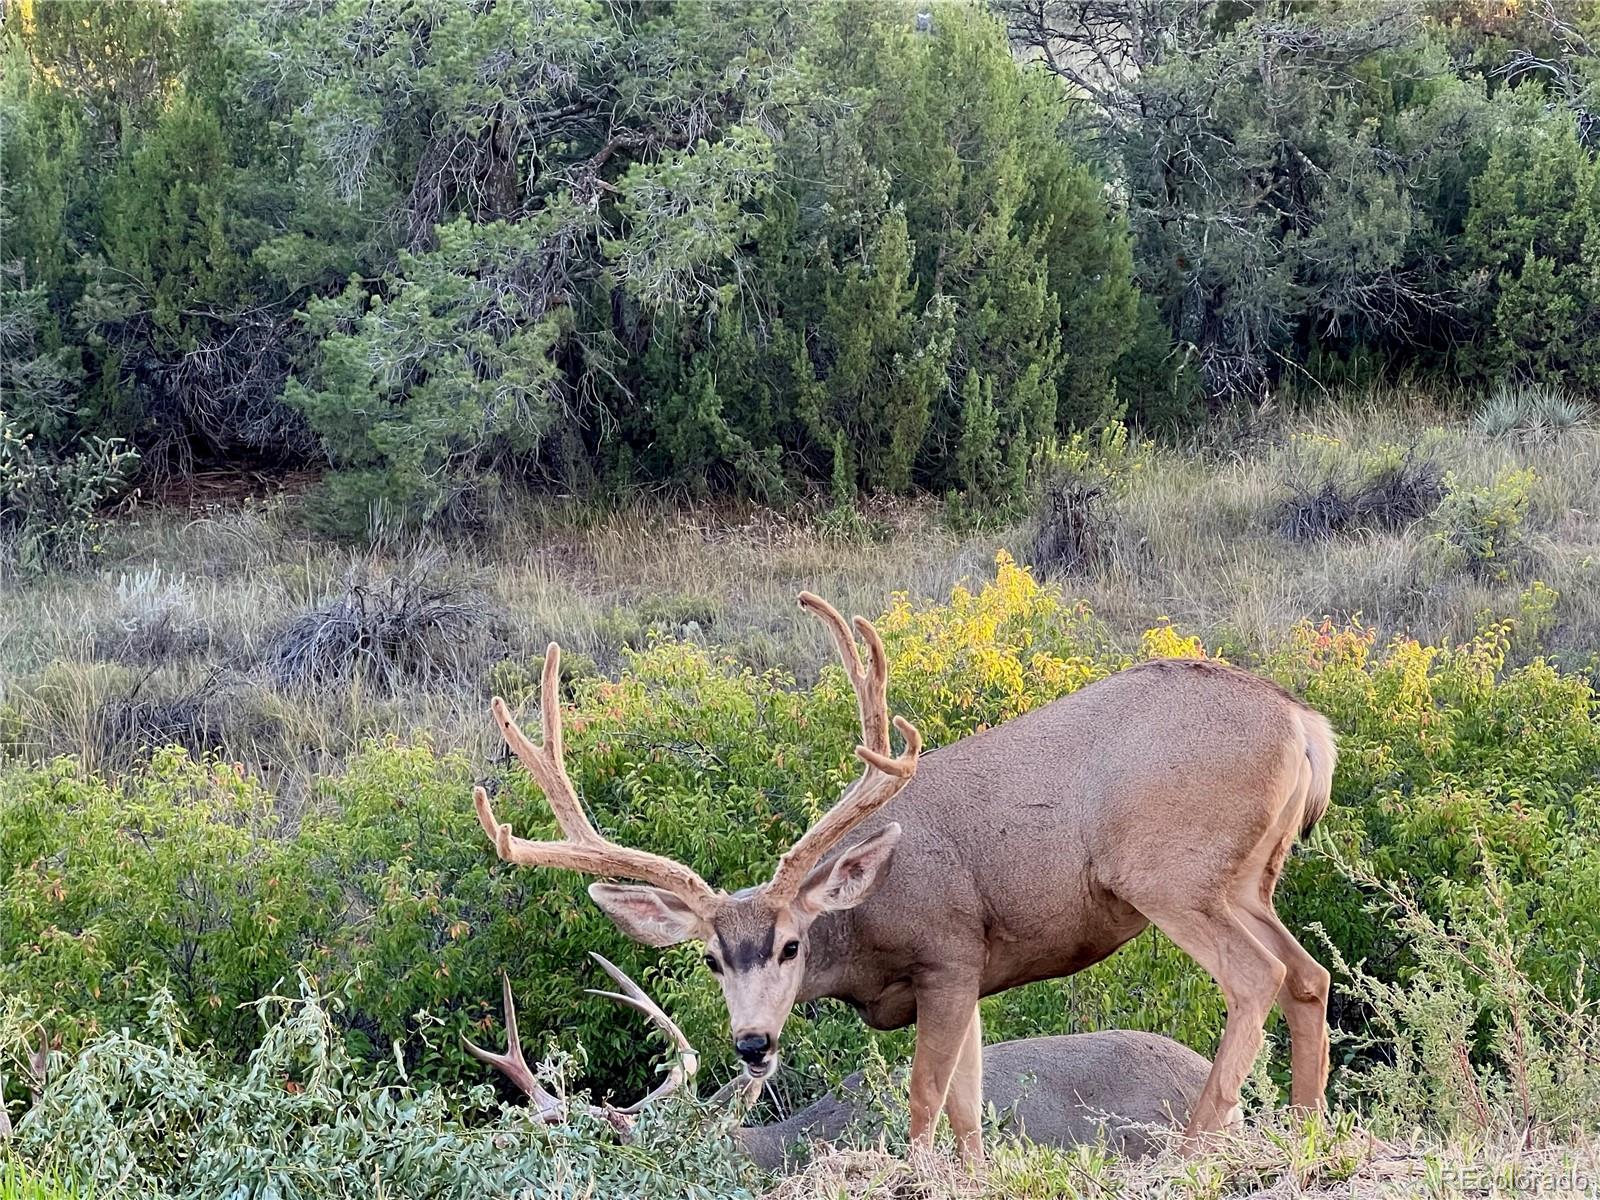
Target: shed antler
[(553, 1110), (583, 848), (884, 774), (38, 1072)]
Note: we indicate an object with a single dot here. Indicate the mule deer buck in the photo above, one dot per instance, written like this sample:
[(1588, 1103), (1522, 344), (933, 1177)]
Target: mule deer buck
[(1169, 794)]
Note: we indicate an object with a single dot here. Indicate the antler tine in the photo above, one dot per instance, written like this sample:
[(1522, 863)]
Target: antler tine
[(38, 1071), (582, 848), (634, 997), (550, 1109), (870, 683), (884, 775), (39, 1067), (741, 1088)]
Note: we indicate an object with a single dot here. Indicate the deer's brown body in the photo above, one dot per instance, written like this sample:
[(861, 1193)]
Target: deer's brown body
[(1034, 849), (1168, 794)]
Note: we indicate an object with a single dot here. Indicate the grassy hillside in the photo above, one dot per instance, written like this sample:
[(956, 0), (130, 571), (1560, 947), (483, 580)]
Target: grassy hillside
[(224, 626), (270, 741)]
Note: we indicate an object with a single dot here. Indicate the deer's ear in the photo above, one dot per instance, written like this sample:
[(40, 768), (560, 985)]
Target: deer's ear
[(852, 877), (650, 915)]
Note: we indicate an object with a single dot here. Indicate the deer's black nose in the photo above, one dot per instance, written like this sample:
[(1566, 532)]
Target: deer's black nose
[(752, 1047)]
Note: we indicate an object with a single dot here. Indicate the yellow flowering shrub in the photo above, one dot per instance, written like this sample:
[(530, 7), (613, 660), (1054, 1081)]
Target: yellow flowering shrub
[(990, 654)]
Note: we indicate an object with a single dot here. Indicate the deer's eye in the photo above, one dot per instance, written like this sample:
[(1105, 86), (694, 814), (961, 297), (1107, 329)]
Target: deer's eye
[(711, 962), (790, 949)]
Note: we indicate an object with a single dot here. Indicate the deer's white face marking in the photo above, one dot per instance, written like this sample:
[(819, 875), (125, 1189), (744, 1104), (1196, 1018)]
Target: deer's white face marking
[(755, 944), (758, 954)]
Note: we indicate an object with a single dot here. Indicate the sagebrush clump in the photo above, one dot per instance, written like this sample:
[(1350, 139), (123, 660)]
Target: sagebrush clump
[(1530, 412), (408, 627)]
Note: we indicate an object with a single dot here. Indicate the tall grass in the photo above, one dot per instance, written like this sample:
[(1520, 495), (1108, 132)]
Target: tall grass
[(186, 630), (18, 1182)]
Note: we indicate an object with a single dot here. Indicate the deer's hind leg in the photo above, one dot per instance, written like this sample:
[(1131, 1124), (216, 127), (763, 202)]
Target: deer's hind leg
[(1304, 995), (1222, 941), (1304, 1001)]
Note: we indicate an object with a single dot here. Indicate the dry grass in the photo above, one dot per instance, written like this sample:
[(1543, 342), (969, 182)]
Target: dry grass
[(1273, 1160), (1194, 540), (183, 605), (317, 647), (595, 584)]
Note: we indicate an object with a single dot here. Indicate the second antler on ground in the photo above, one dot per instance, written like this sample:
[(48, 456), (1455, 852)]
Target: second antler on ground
[(553, 1109)]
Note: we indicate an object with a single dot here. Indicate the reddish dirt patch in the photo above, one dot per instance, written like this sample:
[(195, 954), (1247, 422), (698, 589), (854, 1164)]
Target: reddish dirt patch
[(213, 491)]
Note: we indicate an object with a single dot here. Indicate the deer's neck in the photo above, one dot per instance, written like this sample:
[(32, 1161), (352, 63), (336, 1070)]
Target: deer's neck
[(832, 961)]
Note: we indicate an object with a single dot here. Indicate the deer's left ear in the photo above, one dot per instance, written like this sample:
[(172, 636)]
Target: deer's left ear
[(852, 877)]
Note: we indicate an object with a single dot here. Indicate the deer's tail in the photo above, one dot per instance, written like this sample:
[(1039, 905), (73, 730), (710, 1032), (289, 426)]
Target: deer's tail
[(1322, 751)]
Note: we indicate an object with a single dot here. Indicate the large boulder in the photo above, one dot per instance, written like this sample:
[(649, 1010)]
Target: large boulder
[(1118, 1086)]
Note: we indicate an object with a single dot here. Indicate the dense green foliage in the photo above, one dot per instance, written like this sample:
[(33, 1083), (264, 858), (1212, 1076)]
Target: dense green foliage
[(1457, 772), (1334, 190), (719, 246), (444, 249), (143, 1113)]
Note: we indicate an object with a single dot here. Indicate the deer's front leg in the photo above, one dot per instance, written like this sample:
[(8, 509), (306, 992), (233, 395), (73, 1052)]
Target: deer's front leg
[(963, 1103), (945, 1008)]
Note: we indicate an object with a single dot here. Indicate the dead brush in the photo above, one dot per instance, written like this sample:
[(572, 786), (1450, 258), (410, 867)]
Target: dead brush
[(1077, 479), (1390, 497), (1069, 526), (205, 717), (1400, 494), (390, 632)]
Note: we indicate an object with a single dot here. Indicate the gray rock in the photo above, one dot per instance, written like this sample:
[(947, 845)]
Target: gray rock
[(1118, 1086)]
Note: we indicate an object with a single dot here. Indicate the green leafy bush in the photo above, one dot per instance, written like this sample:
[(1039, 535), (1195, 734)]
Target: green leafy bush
[(422, 394), (144, 1113), (176, 876), (1454, 767)]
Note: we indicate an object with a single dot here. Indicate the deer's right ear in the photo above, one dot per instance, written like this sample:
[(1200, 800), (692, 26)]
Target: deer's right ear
[(650, 915), (853, 876)]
